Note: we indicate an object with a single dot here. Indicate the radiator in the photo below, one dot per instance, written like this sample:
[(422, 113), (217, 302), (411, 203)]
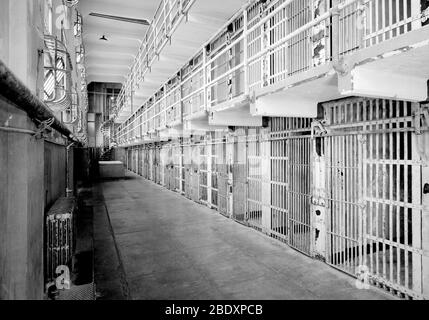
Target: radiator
[(59, 236)]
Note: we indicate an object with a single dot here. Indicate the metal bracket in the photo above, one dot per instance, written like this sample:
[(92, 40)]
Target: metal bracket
[(336, 12), (319, 201), (341, 68), (425, 15), (362, 140), (44, 125), (318, 128), (421, 120)]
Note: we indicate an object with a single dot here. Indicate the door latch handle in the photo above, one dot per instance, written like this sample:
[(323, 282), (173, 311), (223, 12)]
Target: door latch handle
[(426, 188)]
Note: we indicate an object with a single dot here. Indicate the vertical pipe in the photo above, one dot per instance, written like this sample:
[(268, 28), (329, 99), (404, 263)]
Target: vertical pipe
[(69, 192)]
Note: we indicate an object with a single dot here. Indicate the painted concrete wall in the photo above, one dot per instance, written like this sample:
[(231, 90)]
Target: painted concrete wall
[(21, 40), (32, 177), (21, 208), (119, 154), (32, 170), (54, 172)]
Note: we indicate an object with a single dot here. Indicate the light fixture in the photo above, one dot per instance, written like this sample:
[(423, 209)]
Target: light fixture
[(118, 18), (103, 38)]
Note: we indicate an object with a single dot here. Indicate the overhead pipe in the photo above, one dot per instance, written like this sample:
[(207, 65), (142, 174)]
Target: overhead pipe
[(15, 91)]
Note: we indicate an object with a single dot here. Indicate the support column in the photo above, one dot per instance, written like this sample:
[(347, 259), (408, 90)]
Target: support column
[(424, 242), (318, 202)]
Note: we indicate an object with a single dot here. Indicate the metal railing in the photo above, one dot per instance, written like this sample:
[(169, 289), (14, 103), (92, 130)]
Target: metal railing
[(265, 43), (167, 18), (57, 71)]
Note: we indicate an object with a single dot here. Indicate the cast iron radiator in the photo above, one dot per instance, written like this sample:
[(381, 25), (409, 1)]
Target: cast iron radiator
[(59, 236)]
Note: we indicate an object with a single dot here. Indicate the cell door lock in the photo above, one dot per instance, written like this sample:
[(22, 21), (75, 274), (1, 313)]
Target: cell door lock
[(426, 188)]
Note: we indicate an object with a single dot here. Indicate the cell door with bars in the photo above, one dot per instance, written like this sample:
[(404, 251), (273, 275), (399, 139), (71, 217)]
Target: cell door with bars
[(187, 170), (177, 162), (254, 179), (135, 159), (140, 161), (195, 175), (203, 187), (157, 165), (291, 176), (165, 177), (213, 188), (151, 163), (239, 176), (374, 184), (170, 168), (222, 176), (163, 167), (129, 159), (146, 164)]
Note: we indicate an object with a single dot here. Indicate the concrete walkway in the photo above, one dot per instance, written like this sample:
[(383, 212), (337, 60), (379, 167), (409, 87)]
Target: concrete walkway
[(172, 248)]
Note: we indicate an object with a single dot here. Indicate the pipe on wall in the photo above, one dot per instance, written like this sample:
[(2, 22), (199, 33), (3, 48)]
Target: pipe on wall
[(69, 192), (16, 92)]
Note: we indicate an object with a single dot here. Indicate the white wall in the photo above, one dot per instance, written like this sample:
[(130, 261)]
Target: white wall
[(21, 40)]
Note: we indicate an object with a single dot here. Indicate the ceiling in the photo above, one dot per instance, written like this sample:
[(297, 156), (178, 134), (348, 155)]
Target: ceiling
[(110, 61)]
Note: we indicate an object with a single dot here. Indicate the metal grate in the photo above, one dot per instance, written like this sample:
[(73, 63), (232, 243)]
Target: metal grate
[(82, 292)]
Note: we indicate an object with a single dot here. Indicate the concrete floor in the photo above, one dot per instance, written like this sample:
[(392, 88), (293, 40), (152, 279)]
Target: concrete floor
[(151, 243)]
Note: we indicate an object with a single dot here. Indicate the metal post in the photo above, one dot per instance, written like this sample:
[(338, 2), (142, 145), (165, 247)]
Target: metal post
[(205, 97), (209, 167), (335, 33), (266, 180), (264, 45), (245, 53), (421, 227)]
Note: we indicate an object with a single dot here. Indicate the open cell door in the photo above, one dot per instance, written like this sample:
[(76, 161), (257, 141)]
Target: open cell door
[(239, 176), (291, 175), (222, 176), (254, 179), (375, 213)]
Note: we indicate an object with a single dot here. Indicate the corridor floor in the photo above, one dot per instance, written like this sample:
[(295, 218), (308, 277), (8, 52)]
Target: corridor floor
[(164, 246)]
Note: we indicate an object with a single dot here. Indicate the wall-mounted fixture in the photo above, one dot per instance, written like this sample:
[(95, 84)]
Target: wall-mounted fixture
[(118, 18)]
